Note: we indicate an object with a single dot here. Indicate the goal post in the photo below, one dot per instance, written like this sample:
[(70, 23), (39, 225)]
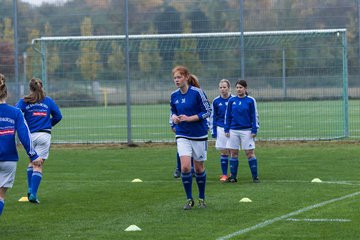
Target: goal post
[(285, 70)]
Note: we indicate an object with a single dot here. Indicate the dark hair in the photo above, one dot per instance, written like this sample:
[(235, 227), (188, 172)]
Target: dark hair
[(192, 79), (3, 88), (37, 92), (243, 83)]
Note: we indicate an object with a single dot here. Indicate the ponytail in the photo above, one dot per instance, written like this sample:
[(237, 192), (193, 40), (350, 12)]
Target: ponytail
[(37, 92), (3, 88)]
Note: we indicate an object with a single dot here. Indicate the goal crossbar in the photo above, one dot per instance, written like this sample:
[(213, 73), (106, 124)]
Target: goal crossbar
[(191, 35)]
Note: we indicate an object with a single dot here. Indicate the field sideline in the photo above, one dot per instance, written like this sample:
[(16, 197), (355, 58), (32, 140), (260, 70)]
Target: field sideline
[(278, 120), (87, 193)]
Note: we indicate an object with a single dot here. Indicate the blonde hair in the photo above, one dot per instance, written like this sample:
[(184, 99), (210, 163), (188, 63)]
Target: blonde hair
[(192, 79), (37, 92), (3, 88), (225, 81)]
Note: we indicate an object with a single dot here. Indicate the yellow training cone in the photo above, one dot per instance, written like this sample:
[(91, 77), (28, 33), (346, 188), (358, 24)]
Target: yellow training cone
[(316, 180), (137, 180), (245, 199), (132, 228), (23, 199)]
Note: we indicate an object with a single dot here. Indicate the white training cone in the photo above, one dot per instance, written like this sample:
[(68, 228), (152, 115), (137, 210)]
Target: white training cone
[(132, 228), (316, 180), (23, 199), (137, 180), (245, 199)]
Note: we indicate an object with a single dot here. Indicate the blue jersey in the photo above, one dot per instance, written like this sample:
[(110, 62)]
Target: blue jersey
[(12, 121), (218, 113), (42, 115), (193, 102), (242, 114)]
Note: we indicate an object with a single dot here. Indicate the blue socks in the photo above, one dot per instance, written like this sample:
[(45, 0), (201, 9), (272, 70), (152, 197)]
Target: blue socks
[(253, 166), (192, 166), (35, 182), (29, 176), (224, 160), (234, 164), (187, 183), (2, 203), (201, 182), (178, 163)]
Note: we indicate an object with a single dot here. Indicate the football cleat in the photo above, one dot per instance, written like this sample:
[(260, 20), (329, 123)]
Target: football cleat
[(189, 204), (33, 199), (256, 180), (202, 203), (223, 178), (177, 173), (231, 180)]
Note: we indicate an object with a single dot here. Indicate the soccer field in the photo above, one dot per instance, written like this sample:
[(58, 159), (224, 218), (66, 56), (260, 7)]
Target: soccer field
[(278, 120), (87, 193)]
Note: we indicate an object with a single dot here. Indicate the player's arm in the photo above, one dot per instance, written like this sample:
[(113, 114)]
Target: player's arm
[(24, 136), (227, 120), (254, 118), (213, 121), (55, 113)]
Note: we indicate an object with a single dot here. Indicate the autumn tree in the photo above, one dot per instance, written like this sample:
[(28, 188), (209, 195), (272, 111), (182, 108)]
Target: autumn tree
[(149, 56), (33, 58), (7, 48), (187, 53), (53, 59), (116, 60), (89, 57)]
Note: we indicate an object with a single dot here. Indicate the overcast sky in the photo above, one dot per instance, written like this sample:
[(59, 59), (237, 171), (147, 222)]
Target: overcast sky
[(39, 2)]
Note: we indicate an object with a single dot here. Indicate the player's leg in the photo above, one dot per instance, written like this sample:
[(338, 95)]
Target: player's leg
[(2, 198), (220, 145), (185, 153), (248, 144), (41, 142), (177, 172), (200, 155), (253, 164), (7, 178), (29, 173), (233, 144), (35, 183)]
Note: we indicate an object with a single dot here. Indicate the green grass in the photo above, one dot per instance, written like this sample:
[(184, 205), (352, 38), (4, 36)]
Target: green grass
[(278, 120), (86, 193)]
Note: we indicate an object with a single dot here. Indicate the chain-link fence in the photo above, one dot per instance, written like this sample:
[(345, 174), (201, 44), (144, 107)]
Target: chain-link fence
[(113, 90)]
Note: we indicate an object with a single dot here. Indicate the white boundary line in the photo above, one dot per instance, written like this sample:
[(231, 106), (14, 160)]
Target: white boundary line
[(318, 220), (271, 221)]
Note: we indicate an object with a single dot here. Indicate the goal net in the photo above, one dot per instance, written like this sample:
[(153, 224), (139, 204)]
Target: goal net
[(299, 79)]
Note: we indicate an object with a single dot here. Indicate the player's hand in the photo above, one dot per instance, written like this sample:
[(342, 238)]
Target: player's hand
[(227, 134), (214, 135), (175, 119), (253, 135), (173, 129), (184, 118), (38, 162)]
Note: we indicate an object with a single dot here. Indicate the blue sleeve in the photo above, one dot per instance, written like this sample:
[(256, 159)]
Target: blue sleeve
[(213, 121), (205, 111), (254, 117), (172, 124), (172, 108), (227, 120), (55, 114), (20, 105), (24, 136)]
